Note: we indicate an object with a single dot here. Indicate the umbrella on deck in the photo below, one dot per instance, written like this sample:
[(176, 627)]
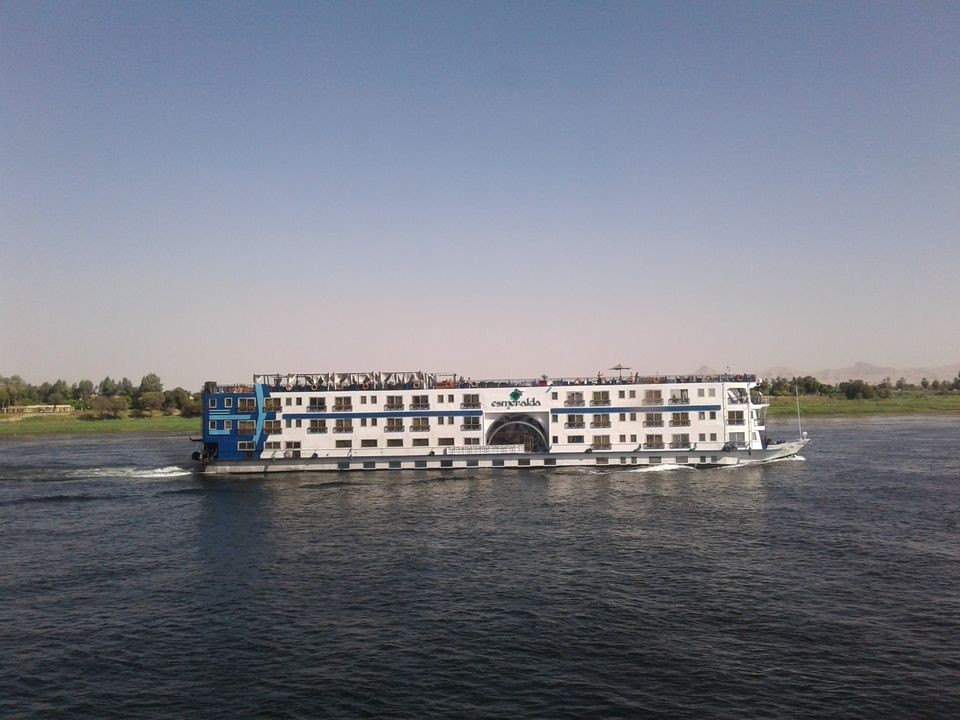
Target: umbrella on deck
[(620, 367)]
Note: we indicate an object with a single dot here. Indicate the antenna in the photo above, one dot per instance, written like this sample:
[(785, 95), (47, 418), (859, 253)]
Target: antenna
[(799, 426)]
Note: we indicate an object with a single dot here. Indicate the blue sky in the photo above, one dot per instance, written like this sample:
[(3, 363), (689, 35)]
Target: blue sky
[(206, 190)]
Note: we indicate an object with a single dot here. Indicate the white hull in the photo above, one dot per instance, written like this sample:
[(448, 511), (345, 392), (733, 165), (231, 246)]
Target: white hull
[(601, 459)]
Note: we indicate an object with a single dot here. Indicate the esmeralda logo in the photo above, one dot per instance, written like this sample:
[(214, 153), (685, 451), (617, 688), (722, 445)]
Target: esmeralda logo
[(515, 400)]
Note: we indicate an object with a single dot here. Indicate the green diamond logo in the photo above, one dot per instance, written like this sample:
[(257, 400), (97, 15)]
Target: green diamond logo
[(515, 395)]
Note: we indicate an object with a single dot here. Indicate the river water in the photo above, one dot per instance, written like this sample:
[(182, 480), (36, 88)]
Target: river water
[(822, 587)]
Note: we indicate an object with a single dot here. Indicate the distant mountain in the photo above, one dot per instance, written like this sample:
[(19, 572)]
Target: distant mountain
[(867, 372)]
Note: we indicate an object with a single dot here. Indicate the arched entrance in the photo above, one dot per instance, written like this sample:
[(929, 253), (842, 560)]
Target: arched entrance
[(519, 429)]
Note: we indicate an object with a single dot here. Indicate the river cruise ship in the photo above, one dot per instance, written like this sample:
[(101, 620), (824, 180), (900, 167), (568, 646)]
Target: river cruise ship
[(419, 420)]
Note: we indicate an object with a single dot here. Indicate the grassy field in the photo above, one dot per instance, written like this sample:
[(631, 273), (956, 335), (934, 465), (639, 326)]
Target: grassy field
[(899, 404), (63, 424)]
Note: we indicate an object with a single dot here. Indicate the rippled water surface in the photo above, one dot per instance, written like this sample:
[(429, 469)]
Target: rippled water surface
[(828, 587)]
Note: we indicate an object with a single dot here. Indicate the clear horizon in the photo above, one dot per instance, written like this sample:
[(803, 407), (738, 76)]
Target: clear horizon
[(210, 190)]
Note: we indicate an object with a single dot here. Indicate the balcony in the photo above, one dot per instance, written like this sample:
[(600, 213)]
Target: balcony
[(419, 428), (316, 431), (393, 406), (653, 446), (573, 403), (343, 408), (600, 424), (271, 408), (249, 408), (348, 429), (241, 430), (470, 428), (679, 423), (736, 421), (393, 428), (469, 405), (653, 423), (574, 425), (599, 403), (419, 406), (679, 401), (656, 400), (680, 445), (600, 446), (737, 400), (316, 408)]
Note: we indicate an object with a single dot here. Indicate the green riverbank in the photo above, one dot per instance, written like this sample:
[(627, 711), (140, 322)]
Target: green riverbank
[(910, 404), (73, 424)]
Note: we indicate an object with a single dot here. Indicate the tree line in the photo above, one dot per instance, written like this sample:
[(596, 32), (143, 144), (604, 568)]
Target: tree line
[(857, 389), (108, 398)]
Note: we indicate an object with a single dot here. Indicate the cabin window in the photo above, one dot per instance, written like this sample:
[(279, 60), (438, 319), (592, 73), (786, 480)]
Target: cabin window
[(601, 397), (228, 424), (246, 427), (623, 417), (212, 425), (344, 425), (247, 404), (623, 438), (394, 442), (601, 441), (712, 392), (445, 441), (574, 421), (471, 401), (420, 442), (523, 462), (344, 443), (420, 424), (363, 399), (713, 414), (394, 425), (633, 393), (555, 439), (369, 466), (228, 402), (292, 445), (363, 422), (470, 423), (473, 463), (245, 445), (272, 445), (394, 402), (497, 463), (373, 399), (317, 426), (554, 396), (299, 400), (471, 441), (368, 443), (653, 441), (299, 423), (394, 464), (713, 437), (602, 461), (317, 404), (622, 394), (343, 403), (574, 399), (575, 439), (701, 392), (288, 401), (633, 438), (420, 402), (212, 403), (271, 404), (655, 460), (600, 421)]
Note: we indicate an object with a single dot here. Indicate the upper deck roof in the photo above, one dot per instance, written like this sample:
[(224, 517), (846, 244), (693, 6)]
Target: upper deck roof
[(377, 380)]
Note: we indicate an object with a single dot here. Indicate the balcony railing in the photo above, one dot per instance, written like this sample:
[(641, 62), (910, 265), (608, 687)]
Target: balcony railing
[(393, 406), (250, 407), (393, 428), (275, 407), (316, 408), (653, 400), (347, 429), (468, 428), (600, 424), (597, 403), (679, 423), (419, 428), (736, 421), (573, 403), (241, 430), (680, 444), (569, 425), (419, 406), (737, 399), (347, 408), (316, 431), (653, 446), (468, 405), (679, 401), (600, 446), (653, 423)]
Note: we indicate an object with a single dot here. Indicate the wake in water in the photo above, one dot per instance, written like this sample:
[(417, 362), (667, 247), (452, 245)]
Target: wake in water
[(170, 471)]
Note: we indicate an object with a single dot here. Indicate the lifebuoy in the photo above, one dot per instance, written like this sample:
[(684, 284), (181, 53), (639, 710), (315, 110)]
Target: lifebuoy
[(738, 378), (416, 385), (289, 387), (313, 387), (473, 384), (366, 386), (709, 378)]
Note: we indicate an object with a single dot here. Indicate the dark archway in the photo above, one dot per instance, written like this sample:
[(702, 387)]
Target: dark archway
[(518, 430)]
